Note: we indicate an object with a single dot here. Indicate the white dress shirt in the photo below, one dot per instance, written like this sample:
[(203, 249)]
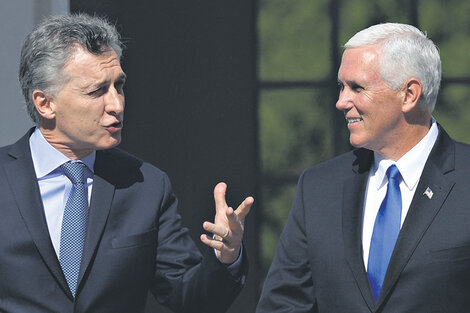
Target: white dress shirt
[(411, 166), (54, 186)]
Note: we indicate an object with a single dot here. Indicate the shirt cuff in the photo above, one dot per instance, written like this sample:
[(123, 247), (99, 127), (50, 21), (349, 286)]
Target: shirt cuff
[(235, 268)]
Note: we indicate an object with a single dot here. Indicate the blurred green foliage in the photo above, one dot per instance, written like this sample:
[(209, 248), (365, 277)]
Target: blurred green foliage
[(448, 25), (453, 111), (292, 138), (296, 124), (276, 201), (291, 41)]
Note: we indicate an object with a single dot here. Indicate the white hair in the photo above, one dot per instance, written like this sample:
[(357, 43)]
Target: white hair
[(406, 52)]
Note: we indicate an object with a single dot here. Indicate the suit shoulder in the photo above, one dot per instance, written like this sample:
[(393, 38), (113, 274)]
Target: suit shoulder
[(337, 165), (126, 159), (13, 151), (123, 168), (462, 147), (340, 166), (345, 160), (4, 151), (462, 156)]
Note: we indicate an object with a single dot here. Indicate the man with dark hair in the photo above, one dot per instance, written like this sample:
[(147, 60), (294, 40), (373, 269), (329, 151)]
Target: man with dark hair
[(87, 227), (385, 227)]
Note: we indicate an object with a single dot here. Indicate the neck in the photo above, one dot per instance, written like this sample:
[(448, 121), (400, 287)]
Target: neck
[(404, 141), (63, 146)]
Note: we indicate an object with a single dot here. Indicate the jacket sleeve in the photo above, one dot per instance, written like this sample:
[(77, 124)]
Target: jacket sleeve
[(289, 284), (184, 280)]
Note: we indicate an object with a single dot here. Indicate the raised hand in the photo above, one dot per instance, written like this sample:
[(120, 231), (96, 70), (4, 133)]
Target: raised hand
[(228, 226)]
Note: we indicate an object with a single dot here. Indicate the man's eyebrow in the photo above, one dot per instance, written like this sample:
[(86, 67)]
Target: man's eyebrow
[(122, 77), (348, 82)]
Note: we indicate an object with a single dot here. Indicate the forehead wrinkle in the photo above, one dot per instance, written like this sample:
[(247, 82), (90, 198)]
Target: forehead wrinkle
[(90, 82), (103, 82), (360, 70), (93, 71), (86, 83)]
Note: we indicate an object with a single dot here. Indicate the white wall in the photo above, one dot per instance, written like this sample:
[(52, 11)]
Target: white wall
[(18, 18)]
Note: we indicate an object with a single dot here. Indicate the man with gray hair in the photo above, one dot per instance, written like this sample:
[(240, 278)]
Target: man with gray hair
[(385, 227), (87, 227)]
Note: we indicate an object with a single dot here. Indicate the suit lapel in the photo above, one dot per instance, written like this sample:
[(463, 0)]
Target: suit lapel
[(21, 177), (23, 182), (353, 202), (100, 206), (423, 209)]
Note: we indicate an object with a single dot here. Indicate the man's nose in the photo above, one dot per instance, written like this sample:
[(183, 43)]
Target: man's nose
[(344, 100), (114, 102)]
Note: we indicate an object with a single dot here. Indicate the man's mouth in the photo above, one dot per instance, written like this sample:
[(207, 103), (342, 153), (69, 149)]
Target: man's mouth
[(353, 120), (117, 124), (114, 127)]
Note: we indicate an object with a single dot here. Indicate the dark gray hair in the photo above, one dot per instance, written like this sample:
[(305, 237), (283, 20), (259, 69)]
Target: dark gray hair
[(48, 47), (406, 52)]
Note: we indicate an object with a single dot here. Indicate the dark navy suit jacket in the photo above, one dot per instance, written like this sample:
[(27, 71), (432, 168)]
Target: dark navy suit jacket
[(319, 267), (135, 243)]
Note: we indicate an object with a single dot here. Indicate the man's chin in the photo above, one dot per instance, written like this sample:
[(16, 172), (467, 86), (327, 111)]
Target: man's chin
[(356, 142), (109, 144)]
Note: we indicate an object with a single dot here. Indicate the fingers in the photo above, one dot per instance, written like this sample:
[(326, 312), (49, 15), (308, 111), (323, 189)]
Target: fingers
[(216, 229), (220, 202), (228, 226), (244, 208), (219, 195), (215, 244), (225, 253)]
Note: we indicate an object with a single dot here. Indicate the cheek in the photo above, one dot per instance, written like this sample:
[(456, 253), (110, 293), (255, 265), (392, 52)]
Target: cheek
[(95, 117), (363, 106)]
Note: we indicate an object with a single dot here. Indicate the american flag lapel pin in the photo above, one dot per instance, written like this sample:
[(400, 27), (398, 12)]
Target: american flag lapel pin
[(428, 192)]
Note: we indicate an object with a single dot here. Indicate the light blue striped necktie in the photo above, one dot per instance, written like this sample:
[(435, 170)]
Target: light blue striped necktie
[(385, 233), (74, 224)]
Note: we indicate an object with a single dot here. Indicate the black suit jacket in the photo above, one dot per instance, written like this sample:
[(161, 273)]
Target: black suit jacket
[(135, 243), (318, 266)]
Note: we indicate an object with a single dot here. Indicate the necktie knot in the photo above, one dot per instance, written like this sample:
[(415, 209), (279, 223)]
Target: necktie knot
[(75, 171), (393, 173)]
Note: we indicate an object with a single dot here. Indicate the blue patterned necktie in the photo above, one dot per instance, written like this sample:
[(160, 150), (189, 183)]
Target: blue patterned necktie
[(385, 234), (74, 224)]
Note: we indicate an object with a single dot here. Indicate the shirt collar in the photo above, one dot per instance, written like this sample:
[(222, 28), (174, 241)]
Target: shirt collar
[(46, 158), (411, 164)]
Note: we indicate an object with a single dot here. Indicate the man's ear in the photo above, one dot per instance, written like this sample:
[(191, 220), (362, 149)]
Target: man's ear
[(412, 93), (43, 104)]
